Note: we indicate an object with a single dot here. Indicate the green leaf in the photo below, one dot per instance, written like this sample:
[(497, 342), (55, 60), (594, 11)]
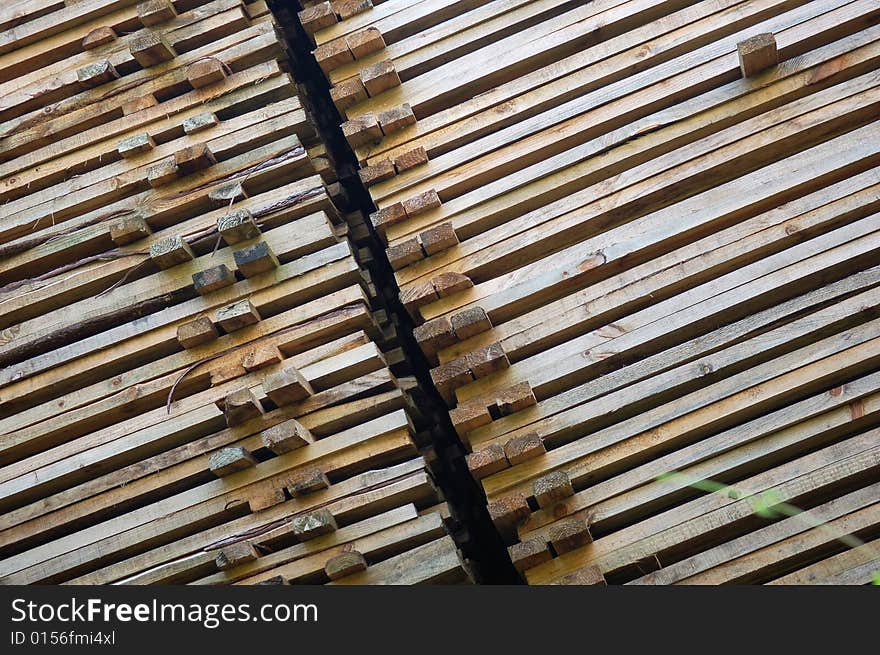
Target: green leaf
[(763, 504), (876, 578)]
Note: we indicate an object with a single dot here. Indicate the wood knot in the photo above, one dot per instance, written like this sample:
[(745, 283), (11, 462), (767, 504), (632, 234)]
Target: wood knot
[(593, 261), (857, 409)]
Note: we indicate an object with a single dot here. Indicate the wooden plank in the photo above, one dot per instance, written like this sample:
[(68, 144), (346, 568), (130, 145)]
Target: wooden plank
[(566, 79), (378, 546), (754, 555), (514, 285), (853, 567), (750, 445), (200, 503), (858, 458), (132, 145), (814, 365), (434, 563)]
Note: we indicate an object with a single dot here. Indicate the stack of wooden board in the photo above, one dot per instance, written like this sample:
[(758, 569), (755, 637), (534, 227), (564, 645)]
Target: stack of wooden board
[(640, 239), (200, 382)]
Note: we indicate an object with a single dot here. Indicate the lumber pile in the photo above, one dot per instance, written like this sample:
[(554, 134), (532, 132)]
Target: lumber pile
[(640, 240), (200, 381)]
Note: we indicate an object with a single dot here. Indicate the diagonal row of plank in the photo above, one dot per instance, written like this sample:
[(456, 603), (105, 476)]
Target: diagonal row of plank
[(200, 382), (640, 240)]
